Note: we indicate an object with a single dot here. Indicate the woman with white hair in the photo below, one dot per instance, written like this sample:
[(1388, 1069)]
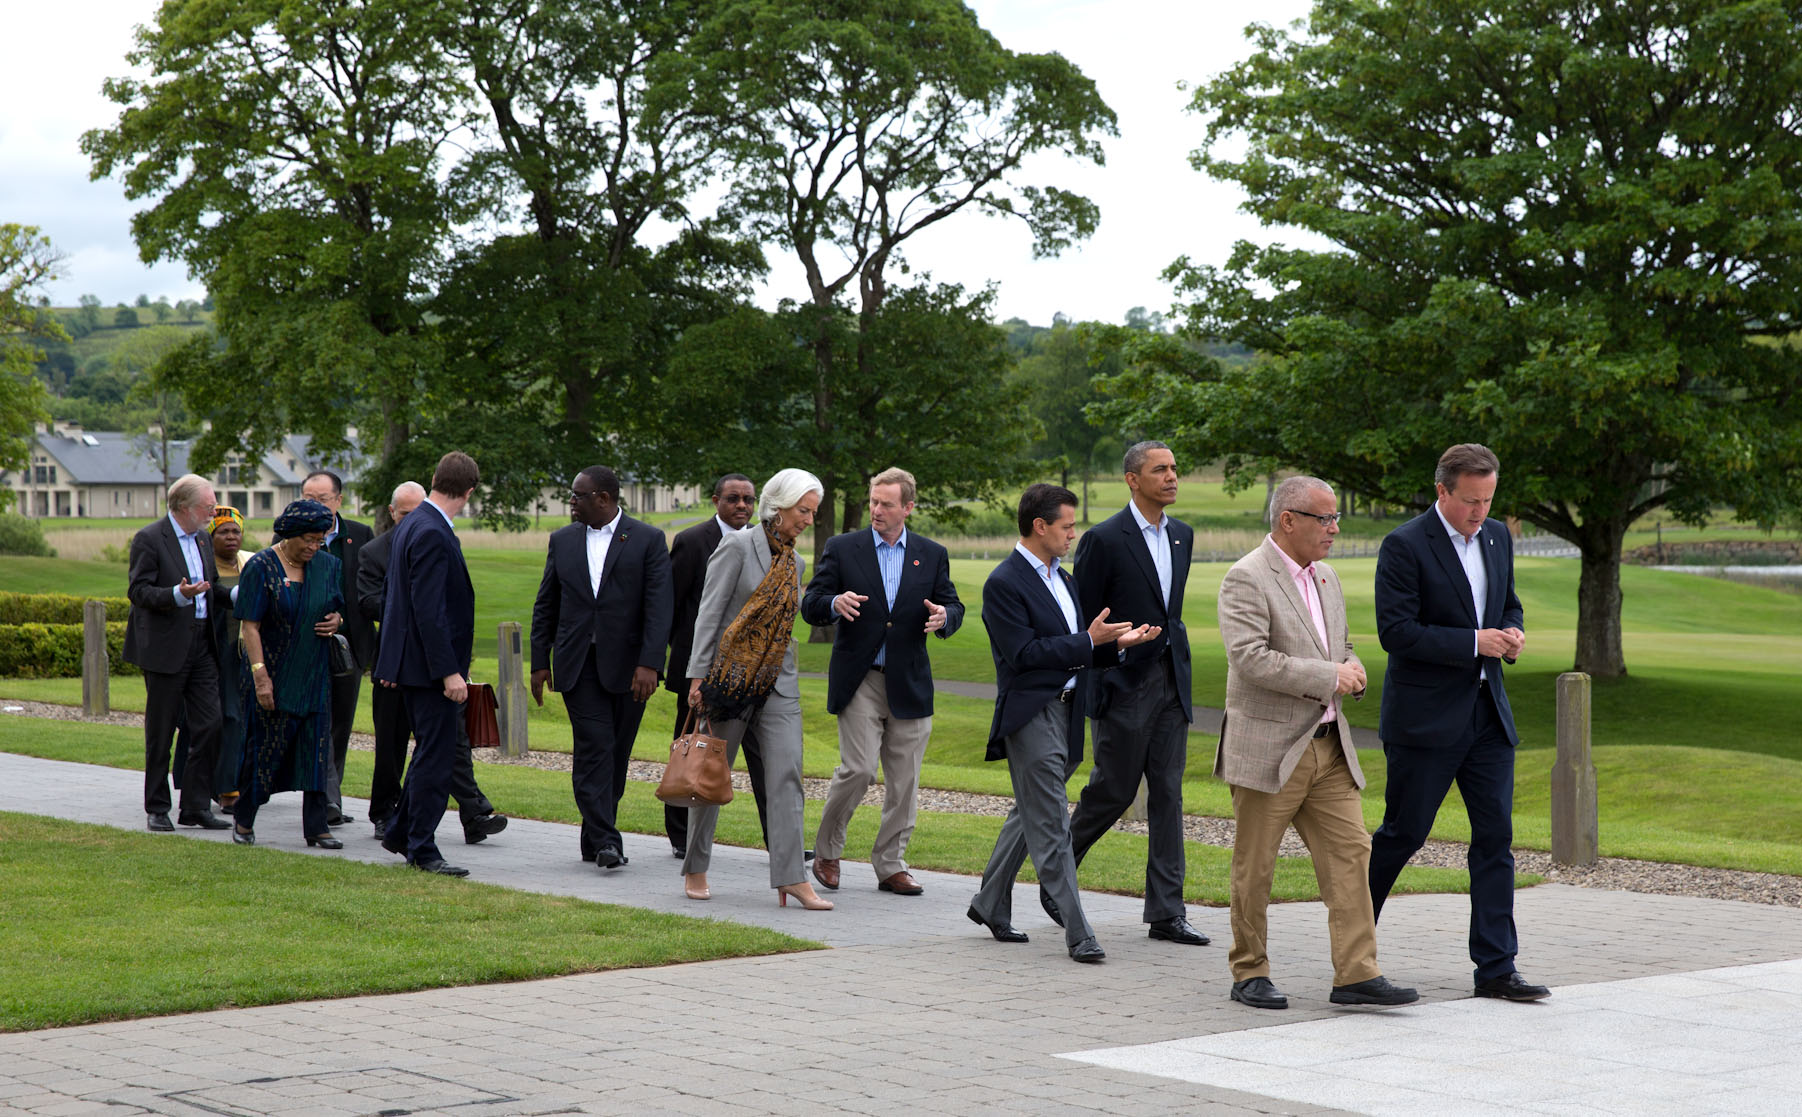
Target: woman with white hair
[(743, 667)]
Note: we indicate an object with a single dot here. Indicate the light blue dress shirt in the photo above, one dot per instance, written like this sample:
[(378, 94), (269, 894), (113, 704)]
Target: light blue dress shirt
[(190, 551), (890, 557)]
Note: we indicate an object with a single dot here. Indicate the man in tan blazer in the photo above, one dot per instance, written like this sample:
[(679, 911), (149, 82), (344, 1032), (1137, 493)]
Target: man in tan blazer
[(1284, 748)]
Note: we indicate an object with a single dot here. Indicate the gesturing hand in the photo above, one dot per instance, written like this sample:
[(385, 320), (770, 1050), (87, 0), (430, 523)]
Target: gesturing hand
[(1141, 634), (845, 604), (1101, 631), (935, 616)]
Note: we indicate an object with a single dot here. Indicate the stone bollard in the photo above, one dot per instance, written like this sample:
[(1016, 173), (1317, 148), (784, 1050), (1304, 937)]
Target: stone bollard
[(1575, 827), (1139, 812), (95, 669), (510, 691)]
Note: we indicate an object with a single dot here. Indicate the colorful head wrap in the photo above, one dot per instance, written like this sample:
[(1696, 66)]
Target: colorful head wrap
[(226, 514), (303, 517)]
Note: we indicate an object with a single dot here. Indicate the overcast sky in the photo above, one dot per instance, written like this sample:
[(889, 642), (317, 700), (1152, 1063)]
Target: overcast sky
[(1154, 207)]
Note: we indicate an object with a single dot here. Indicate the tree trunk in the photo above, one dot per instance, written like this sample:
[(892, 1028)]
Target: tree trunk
[(1599, 603)]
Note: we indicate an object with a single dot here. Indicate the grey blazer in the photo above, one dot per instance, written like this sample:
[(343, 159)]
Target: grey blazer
[(734, 572), (1278, 676)]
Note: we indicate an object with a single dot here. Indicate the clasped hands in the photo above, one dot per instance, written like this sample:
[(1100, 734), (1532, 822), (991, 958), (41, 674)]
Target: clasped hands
[(847, 605), (1500, 643)]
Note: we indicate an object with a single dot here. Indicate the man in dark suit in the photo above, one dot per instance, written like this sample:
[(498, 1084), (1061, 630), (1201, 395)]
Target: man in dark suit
[(1448, 616), (170, 635), (1136, 564), (428, 633), (1042, 658), (734, 499), (345, 542), (604, 606), (389, 713), (886, 590)]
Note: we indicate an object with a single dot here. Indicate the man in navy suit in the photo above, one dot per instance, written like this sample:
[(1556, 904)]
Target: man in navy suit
[(1448, 616), (1136, 564), (886, 590), (428, 633), (604, 605), (1042, 658)]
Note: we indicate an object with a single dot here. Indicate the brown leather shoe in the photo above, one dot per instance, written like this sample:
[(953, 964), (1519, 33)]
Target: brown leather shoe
[(825, 870), (902, 884)]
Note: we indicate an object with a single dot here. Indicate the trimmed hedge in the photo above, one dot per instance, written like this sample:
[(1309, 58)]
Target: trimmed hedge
[(54, 608), (53, 651)]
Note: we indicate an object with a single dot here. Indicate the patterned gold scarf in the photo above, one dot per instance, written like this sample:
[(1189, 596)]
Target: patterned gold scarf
[(751, 651)]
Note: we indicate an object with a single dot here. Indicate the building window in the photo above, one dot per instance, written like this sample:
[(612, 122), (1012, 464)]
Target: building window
[(44, 474)]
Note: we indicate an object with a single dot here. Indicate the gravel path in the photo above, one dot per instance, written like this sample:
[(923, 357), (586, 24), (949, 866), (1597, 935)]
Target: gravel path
[(1616, 873)]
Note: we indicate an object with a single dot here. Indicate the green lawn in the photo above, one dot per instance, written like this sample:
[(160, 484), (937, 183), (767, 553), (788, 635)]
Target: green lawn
[(104, 924)]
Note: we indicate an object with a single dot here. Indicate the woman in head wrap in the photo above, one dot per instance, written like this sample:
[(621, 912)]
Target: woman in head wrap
[(288, 602), (744, 675)]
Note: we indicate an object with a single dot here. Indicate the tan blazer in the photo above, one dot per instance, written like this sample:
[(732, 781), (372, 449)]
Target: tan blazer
[(735, 570), (1278, 677)]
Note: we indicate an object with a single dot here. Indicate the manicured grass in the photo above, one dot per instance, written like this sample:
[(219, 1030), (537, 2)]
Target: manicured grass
[(104, 924), (958, 843)]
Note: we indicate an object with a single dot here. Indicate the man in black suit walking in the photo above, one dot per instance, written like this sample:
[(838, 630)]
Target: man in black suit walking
[(389, 713), (1135, 564), (428, 622), (734, 499), (1448, 616), (345, 542), (1042, 658), (886, 589), (170, 635), (604, 606)]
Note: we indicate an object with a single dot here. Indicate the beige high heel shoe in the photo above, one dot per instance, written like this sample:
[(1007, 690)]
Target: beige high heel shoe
[(694, 886), (803, 892)]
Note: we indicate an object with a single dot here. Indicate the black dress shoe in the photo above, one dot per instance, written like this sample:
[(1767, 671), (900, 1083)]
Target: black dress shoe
[(479, 828), (1177, 930), (1050, 906), (394, 841), (326, 842), (244, 837), (1376, 991), (609, 858), (1003, 932), (340, 819), (678, 852), (381, 828), (1512, 988), (1259, 992), (1088, 950), (206, 820), (442, 867), (159, 822)]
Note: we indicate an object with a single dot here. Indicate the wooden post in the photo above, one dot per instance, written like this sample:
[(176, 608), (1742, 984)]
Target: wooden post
[(95, 697), (1575, 826), (510, 691)]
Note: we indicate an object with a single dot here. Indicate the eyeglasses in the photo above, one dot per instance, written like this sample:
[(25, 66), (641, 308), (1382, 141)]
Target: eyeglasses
[(1325, 521), (575, 496)]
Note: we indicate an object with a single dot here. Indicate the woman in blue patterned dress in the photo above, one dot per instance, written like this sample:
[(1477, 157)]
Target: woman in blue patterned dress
[(288, 602)]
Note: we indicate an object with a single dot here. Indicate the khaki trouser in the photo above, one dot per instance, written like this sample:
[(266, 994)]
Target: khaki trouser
[(867, 735)]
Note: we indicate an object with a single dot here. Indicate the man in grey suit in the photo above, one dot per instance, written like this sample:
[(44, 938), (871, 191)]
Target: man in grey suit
[(1285, 750)]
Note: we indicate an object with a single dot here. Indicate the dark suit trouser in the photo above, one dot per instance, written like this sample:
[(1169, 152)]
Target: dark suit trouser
[(345, 689), (1040, 760), (603, 725), (1482, 763), (191, 695), (675, 819), (434, 720), (389, 712), (1143, 733)]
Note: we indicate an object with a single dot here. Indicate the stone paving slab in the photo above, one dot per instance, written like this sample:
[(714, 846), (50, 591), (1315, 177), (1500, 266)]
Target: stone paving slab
[(918, 1010)]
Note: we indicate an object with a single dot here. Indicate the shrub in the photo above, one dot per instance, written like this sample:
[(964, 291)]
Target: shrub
[(22, 535), (53, 651), (54, 608)]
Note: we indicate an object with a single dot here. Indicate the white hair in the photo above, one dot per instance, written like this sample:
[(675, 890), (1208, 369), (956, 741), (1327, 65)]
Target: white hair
[(1288, 492), (407, 487), (184, 491), (785, 490)]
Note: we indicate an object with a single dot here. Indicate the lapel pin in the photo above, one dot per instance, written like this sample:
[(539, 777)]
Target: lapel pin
[(916, 562)]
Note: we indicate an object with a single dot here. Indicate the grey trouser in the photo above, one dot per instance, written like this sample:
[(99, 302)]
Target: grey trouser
[(1038, 761), (778, 728)]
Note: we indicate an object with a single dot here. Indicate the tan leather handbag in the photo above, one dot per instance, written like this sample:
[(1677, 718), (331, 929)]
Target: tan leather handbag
[(698, 774)]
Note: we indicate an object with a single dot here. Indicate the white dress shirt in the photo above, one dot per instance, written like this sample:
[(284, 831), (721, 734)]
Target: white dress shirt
[(1060, 593), (1157, 541), (1470, 557), (599, 540), (190, 545)]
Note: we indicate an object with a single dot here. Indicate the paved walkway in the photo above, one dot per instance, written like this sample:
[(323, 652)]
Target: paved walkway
[(1662, 1005)]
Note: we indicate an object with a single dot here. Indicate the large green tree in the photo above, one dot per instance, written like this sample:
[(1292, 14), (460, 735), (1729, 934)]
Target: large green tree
[(27, 261), (294, 153), (853, 127), (1569, 230)]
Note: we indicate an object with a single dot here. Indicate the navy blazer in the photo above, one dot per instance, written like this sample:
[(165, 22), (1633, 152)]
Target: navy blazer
[(429, 605), (347, 549), (1426, 621), (1034, 650), (849, 563), (158, 630), (627, 624), (1115, 572), (688, 555)]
